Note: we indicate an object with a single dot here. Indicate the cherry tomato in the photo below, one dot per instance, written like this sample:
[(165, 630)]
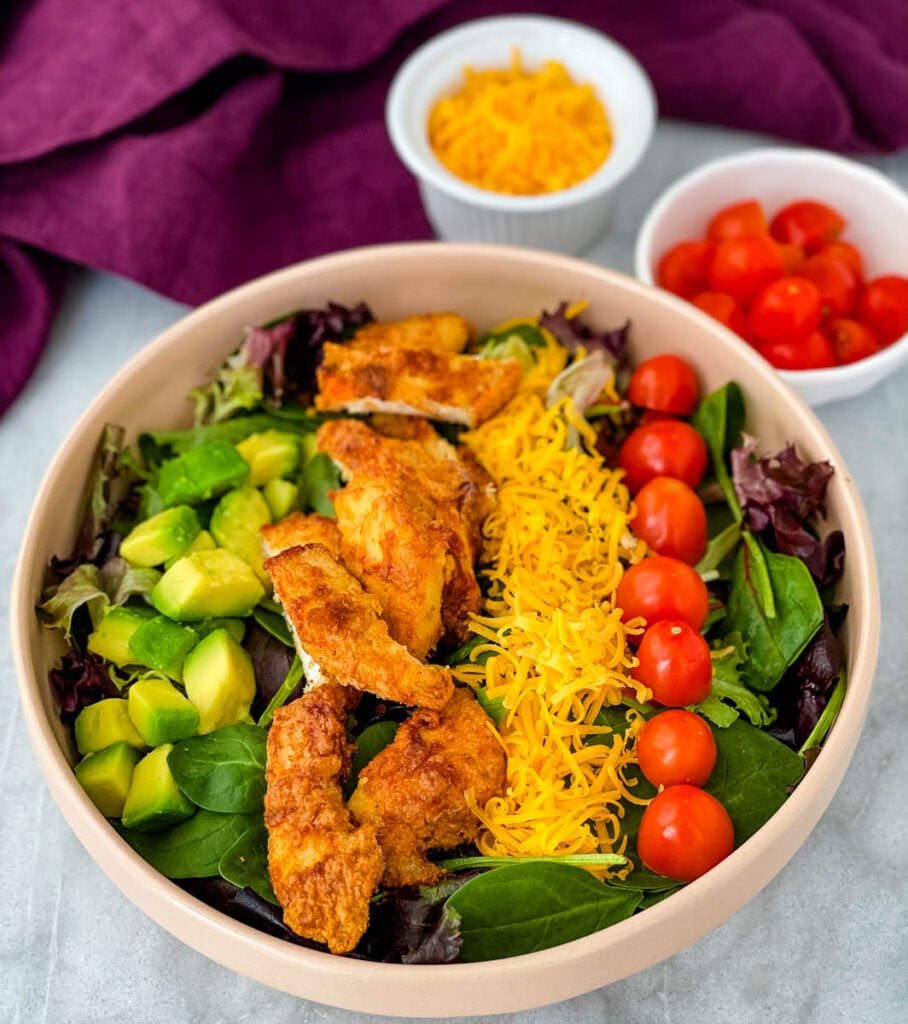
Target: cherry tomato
[(663, 588), (667, 447), (793, 257), (676, 747), (673, 660), (738, 221), (665, 383), (784, 310), (812, 352), (684, 832), (808, 223), (671, 518), (851, 340), (847, 253), (683, 268), (742, 266), (724, 308), (883, 306), (836, 282)]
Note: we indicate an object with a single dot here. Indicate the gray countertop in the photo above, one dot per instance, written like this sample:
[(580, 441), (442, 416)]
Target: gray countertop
[(826, 941)]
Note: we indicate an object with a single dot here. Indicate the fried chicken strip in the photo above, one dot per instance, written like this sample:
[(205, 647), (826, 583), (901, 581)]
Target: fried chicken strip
[(298, 529), (416, 382), (440, 332), (323, 865), (337, 624), (413, 791)]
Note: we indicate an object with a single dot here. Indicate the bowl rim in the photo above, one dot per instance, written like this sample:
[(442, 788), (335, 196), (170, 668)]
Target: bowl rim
[(773, 156), (276, 962), (447, 44)]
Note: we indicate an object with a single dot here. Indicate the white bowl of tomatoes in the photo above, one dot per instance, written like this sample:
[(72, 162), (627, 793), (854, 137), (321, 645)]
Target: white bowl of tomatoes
[(802, 253)]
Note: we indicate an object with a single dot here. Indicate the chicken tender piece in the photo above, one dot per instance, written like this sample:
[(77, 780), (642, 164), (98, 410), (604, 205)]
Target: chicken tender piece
[(413, 791), (440, 332), (415, 382), (323, 865), (337, 624), (298, 529)]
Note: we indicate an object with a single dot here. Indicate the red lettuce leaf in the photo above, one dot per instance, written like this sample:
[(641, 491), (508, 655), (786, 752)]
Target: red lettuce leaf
[(81, 679), (573, 333)]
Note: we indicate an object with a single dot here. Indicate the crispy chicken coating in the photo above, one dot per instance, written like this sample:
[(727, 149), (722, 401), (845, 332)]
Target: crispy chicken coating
[(410, 521), (416, 382), (298, 529), (323, 865), (413, 791), (337, 625), (440, 332)]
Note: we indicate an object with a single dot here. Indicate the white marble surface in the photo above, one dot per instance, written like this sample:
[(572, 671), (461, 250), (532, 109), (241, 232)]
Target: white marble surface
[(827, 941)]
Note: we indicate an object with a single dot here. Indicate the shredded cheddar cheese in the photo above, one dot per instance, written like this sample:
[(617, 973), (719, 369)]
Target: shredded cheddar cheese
[(519, 132), (557, 651)]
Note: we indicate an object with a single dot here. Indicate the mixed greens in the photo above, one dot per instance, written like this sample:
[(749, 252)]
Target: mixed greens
[(778, 668)]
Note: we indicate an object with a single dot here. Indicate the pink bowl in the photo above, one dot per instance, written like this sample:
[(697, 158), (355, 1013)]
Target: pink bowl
[(487, 284)]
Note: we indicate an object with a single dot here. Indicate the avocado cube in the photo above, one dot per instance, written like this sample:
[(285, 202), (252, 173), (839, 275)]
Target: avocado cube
[(205, 585), (105, 776), (203, 541), (235, 627), (110, 639), (161, 537), (201, 473), (271, 454), (220, 681), (236, 524), (161, 713), (154, 800), (105, 722), (162, 644), (282, 498)]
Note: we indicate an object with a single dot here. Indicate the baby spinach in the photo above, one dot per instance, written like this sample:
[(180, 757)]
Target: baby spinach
[(274, 623), (319, 477), (293, 678), (526, 907), (223, 771), (371, 741), (753, 776), (245, 863), (719, 418), (773, 643), (194, 848)]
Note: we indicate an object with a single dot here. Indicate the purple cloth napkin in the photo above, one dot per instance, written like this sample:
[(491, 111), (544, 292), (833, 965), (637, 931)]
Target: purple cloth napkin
[(193, 144)]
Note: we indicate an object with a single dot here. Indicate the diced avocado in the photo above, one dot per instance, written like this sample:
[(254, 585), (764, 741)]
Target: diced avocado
[(200, 473), (203, 541), (271, 454), (161, 537), (207, 584), (235, 627), (236, 524), (161, 713), (154, 800), (220, 681), (162, 644), (105, 722), (282, 496), (111, 637), (105, 776)]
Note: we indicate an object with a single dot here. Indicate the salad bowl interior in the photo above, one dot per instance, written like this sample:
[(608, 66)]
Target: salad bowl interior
[(487, 284)]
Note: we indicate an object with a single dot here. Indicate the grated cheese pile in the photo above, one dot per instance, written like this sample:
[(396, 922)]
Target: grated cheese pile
[(519, 132), (552, 551)]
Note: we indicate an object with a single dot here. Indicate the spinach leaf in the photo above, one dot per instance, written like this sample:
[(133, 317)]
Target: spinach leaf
[(526, 907), (192, 849), (319, 477), (719, 418), (728, 694), (753, 776), (293, 678), (273, 623), (245, 864), (371, 741), (222, 771), (773, 644)]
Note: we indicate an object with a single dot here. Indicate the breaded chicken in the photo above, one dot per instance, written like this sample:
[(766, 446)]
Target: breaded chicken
[(410, 521), (415, 382), (298, 529), (337, 624), (412, 792), (323, 865), (440, 332)]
